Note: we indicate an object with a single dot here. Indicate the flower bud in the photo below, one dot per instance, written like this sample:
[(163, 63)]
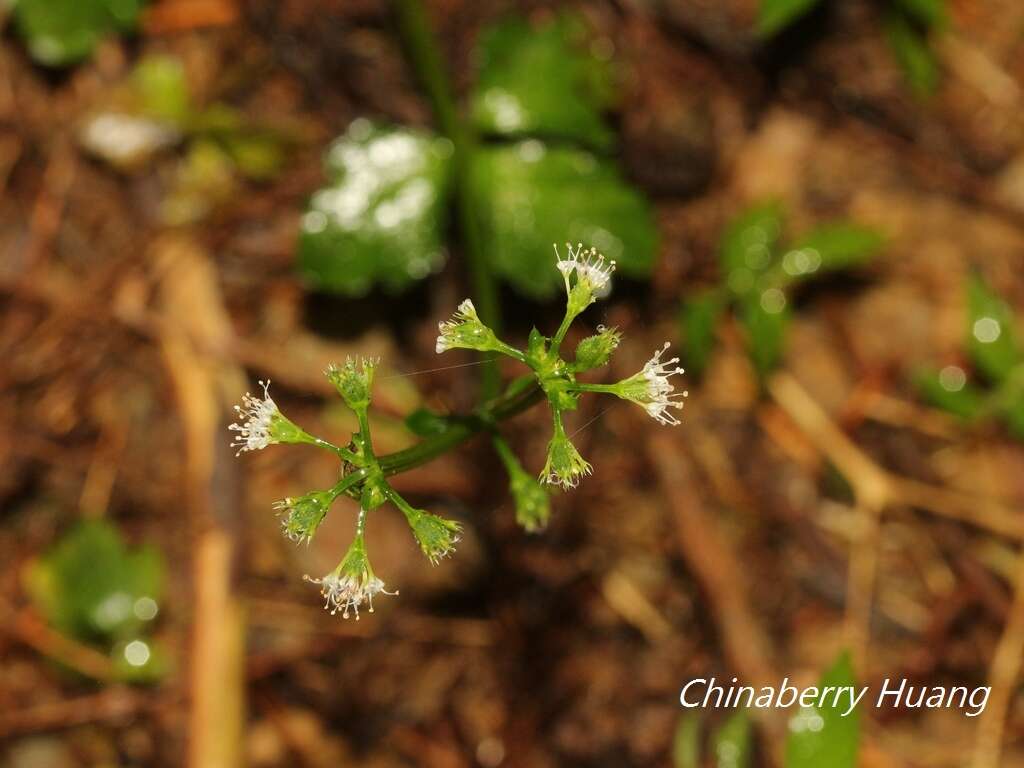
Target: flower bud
[(436, 536), (595, 351), (564, 465), (303, 515), (533, 507), (353, 384)]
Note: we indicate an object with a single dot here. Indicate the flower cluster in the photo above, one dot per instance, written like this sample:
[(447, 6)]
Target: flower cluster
[(353, 583), (587, 275)]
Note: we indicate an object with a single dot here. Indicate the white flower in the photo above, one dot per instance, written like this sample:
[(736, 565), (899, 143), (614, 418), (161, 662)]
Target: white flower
[(465, 331), (590, 268), (652, 390), (257, 415), (345, 592)]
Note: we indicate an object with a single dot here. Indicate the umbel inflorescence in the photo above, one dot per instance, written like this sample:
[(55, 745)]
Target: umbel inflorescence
[(552, 378)]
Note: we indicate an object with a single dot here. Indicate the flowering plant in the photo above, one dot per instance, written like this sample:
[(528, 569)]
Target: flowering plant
[(587, 277)]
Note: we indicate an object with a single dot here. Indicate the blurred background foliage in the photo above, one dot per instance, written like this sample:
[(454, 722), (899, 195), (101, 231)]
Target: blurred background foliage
[(820, 202)]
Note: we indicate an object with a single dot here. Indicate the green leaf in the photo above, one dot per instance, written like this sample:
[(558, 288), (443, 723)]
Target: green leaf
[(381, 218), (990, 332), (698, 318), (733, 743), (161, 89), (63, 32), (774, 15), (686, 742), (765, 316), (1012, 415), (425, 423), (913, 54), (139, 660), (537, 82), (530, 195), (836, 245), (747, 245), (931, 13), (822, 736), (945, 390), (90, 585)]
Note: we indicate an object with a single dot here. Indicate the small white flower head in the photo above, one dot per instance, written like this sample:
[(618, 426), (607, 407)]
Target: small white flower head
[(301, 516), (652, 389), (351, 584), (564, 465), (261, 423), (593, 274), (354, 380), (465, 331), (533, 506)]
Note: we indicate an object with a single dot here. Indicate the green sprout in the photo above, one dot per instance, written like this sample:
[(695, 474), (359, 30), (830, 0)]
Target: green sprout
[(997, 359), (587, 277), (758, 275)]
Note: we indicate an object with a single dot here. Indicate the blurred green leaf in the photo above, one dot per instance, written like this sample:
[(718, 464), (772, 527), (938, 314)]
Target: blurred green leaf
[(821, 737), (686, 742), (63, 32), (1012, 415), (161, 89), (774, 15), (530, 195), (139, 660), (836, 245), (699, 316), (91, 586), (915, 57), (747, 244), (990, 332), (765, 316), (423, 422), (258, 155), (381, 218), (931, 13), (733, 743), (534, 81), (964, 400)]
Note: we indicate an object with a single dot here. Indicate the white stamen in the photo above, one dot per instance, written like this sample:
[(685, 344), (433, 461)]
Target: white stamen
[(256, 415), (661, 395), (344, 592), (589, 266)]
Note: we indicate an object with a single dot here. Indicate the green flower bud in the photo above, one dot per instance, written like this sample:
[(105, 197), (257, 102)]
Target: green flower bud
[(303, 515), (353, 384), (436, 536), (595, 351), (564, 465), (533, 507)]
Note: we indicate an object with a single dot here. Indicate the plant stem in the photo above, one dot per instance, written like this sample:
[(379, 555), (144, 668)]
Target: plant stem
[(514, 401), (423, 51)]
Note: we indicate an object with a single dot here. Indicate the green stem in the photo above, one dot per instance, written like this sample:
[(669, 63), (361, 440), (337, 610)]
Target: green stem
[(503, 407), (426, 59), (608, 389), (344, 453)]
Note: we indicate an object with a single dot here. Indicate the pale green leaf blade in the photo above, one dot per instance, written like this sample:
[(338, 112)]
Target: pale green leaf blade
[(698, 318), (990, 332), (747, 245), (775, 15), (765, 317), (62, 32), (732, 745), (530, 196), (536, 81), (836, 245), (381, 218), (822, 736)]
